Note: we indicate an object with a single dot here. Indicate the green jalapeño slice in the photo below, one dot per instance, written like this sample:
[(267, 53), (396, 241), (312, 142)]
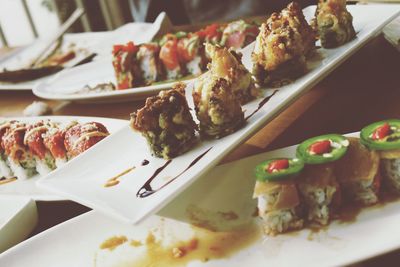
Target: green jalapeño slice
[(322, 149), (382, 135), (276, 169)]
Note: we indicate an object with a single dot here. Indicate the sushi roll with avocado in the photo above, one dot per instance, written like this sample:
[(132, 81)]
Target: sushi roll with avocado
[(45, 162), (217, 108), (166, 123), (19, 158), (239, 34), (226, 63), (169, 57), (5, 170), (334, 23), (54, 139), (126, 67), (317, 183), (191, 54), (279, 204), (358, 173), (149, 63), (384, 137)]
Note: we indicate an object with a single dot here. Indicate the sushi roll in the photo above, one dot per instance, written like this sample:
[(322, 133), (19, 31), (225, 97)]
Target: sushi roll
[(126, 67), (211, 34), (19, 158), (191, 54), (166, 123), (384, 137), (81, 137), (358, 173), (34, 140), (169, 57), (281, 47), (5, 170), (278, 198), (317, 183), (239, 34), (227, 64), (53, 140), (149, 63), (216, 106), (334, 23)]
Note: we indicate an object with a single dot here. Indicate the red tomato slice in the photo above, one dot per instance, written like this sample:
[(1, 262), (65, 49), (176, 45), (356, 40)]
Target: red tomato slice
[(381, 132), (320, 147), (277, 165)]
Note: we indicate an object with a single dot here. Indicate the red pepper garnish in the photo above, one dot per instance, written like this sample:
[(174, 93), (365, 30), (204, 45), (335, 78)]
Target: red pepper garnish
[(381, 132), (320, 147), (277, 165)]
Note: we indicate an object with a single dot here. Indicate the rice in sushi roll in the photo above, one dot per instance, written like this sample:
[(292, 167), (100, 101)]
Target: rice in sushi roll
[(149, 63)]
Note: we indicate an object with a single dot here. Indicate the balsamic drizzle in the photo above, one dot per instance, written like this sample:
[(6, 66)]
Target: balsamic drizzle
[(145, 162), (147, 190), (261, 104)]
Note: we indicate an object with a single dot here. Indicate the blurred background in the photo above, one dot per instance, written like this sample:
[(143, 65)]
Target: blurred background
[(21, 21)]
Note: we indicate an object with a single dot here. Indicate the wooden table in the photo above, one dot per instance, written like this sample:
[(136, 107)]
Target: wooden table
[(364, 89)]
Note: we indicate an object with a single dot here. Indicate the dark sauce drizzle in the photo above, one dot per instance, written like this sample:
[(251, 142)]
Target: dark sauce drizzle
[(145, 162), (146, 190), (261, 104)]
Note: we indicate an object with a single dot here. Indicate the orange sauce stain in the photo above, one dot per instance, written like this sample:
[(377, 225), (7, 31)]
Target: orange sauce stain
[(116, 179), (8, 180), (113, 242)]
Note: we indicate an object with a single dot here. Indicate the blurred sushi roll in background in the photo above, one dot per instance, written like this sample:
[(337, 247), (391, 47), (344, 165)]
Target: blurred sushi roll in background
[(227, 64), (358, 173), (149, 63), (384, 137), (211, 34), (279, 202), (191, 53), (18, 155), (174, 69), (5, 170), (239, 34), (126, 67), (333, 23), (166, 123), (281, 47)]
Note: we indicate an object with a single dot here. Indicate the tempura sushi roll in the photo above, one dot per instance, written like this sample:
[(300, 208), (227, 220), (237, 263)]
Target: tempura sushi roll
[(19, 158), (227, 64), (191, 54), (81, 137), (279, 204), (54, 139), (169, 57), (216, 106), (166, 123), (33, 138), (281, 47), (126, 66), (358, 173), (239, 34), (317, 183), (5, 170), (334, 23), (384, 137), (149, 63)]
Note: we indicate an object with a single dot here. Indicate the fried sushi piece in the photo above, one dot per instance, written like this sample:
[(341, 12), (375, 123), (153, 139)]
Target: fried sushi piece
[(384, 137), (191, 54), (282, 46), (279, 204), (227, 64), (334, 23), (239, 34), (81, 137), (126, 67), (149, 63), (216, 106), (358, 173), (5, 170), (166, 123), (19, 158), (33, 138), (320, 191), (169, 57)]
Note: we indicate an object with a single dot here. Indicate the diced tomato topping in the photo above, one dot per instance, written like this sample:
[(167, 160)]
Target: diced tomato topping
[(381, 132), (277, 165), (320, 147), (209, 32), (130, 47), (169, 54)]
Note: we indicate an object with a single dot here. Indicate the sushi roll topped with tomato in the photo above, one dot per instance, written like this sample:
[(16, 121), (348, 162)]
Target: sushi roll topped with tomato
[(211, 34), (126, 68), (149, 63), (239, 34), (191, 53), (5, 170), (169, 57)]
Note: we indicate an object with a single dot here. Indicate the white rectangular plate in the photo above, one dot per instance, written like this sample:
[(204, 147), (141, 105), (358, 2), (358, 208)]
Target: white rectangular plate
[(83, 181), (28, 187), (227, 189)]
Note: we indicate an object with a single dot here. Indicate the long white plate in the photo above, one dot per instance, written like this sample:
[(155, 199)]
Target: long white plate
[(227, 189), (28, 187), (83, 181)]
